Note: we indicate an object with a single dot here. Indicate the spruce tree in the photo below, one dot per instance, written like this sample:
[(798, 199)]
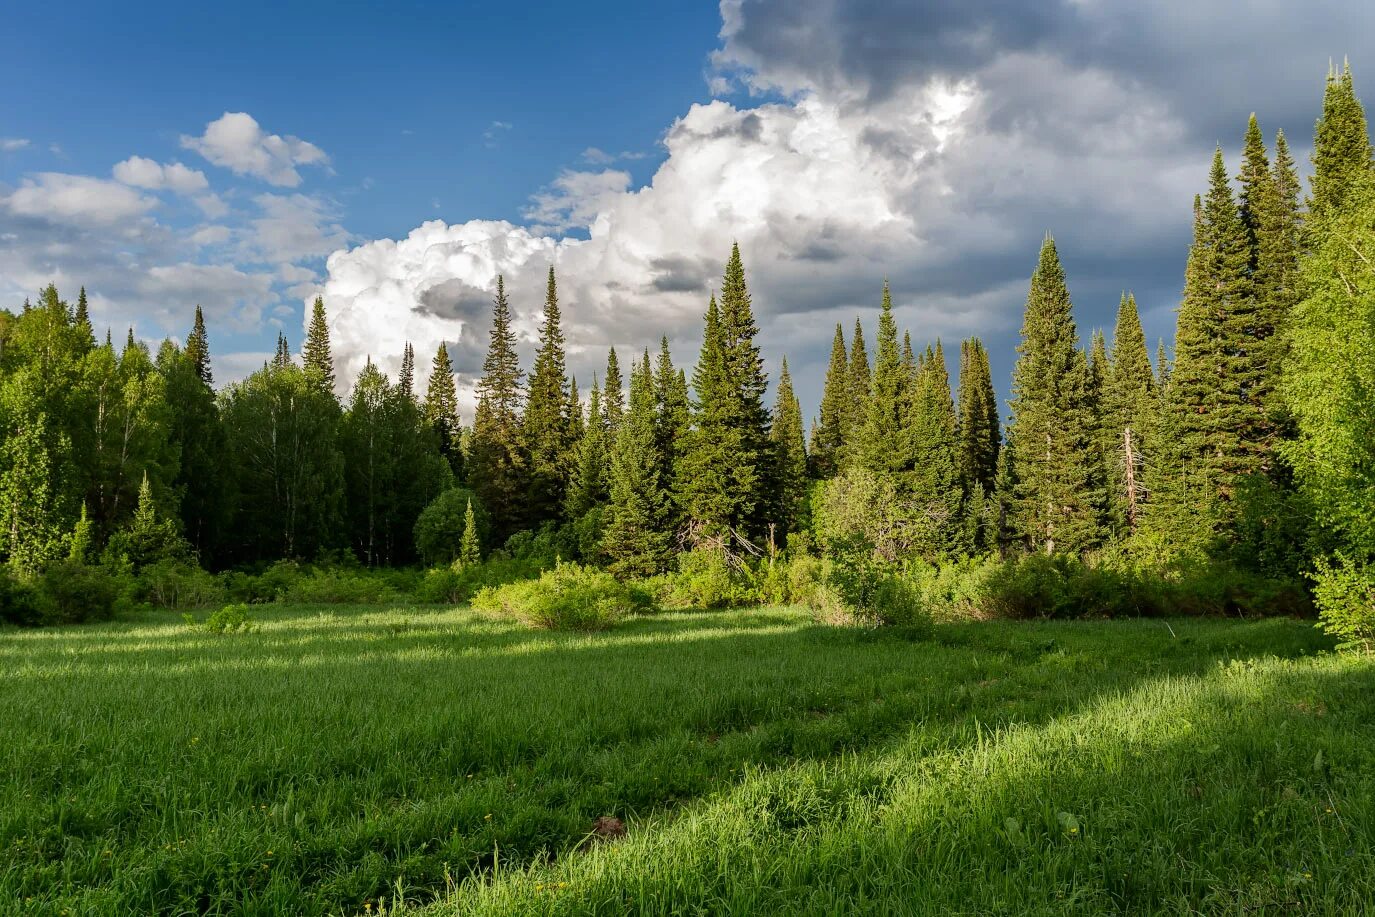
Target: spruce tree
[(1341, 146), (588, 486), (672, 413), (1056, 507), (637, 538), (858, 365), (546, 422), (747, 387), (316, 356), (497, 470), (1127, 409), (935, 487), (81, 322), (405, 380), (883, 445), (829, 433), (790, 454), (980, 433), (280, 359), (613, 394), (441, 409), (198, 349), (469, 552)]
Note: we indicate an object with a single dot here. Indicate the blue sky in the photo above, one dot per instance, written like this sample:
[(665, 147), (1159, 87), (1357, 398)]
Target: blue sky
[(395, 158)]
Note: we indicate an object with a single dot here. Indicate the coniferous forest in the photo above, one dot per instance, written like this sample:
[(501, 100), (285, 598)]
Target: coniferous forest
[(1231, 472), (665, 641)]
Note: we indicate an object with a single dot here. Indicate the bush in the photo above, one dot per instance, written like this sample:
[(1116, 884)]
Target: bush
[(339, 587), (268, 586), (878, 595), (175, 584), (229, 619), (18, 601), (707, 579), (1345, 595), (70, 592), (439, 528), (568, 597), (443, 586)]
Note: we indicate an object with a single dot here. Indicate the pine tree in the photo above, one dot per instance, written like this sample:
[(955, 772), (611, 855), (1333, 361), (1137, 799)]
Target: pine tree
[(980, 432), (318, 361), (858, 365), (791, 454), (469, 553), (613, 394), (588, 486), (637, 538), (497, 470), (405, 380), (198, 349), (747, 387), (546, 422), (672, 414), (882, 443), (935, 487), (829, 434), (1341, 146), (282, 357), (441, 409), (1214, 432), (1055, 506), (1127, 408), (81, 321)]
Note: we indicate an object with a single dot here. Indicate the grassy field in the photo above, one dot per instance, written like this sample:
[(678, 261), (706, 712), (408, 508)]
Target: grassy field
[(348, 760)]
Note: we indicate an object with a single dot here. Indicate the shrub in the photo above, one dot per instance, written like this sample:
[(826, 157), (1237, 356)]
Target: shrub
[(439, 527), (442, 586), (339, 587), (70, 592), (1345, 595), (175, 584), (230, 619), (18, 601), (877, 594), (707, 579), (568, 597)]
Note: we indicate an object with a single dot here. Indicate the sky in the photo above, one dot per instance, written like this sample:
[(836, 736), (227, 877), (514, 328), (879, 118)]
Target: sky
[(395, 158)]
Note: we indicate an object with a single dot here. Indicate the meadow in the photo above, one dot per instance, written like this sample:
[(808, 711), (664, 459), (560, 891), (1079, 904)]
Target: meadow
[(359, 759)]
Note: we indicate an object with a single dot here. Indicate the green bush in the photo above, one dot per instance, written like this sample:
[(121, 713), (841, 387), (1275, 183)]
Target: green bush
[(568, 597), (443, 586), (70, 592), (230, 619), (176, 584), (1345, 595), (339, 587), (18, 601), (707, 579), (878, 594), (439, 528)]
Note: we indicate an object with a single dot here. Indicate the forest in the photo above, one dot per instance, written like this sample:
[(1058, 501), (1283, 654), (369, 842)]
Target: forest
[(1232, 474)]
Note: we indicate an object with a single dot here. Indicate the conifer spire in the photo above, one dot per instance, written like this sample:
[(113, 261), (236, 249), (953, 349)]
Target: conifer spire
[(316, 356)]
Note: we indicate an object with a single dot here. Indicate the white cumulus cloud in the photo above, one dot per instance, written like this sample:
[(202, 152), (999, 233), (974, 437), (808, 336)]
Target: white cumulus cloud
[(155, 176), (237, 142), (76, 200)]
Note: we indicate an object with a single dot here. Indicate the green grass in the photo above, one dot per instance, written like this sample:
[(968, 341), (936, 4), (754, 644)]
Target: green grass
[(346, 759)]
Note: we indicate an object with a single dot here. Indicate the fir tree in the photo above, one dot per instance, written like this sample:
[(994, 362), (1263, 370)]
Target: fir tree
[(1341, 146), (496, 458), (858, 365), (469, 552), (405, 381), (882, 443), (613, 394), (441, 409), (672, 413), (1127, 408), (935, 489), (198, 349), (316, 357), (282, 357), (980, 433), (588, 486), (546, 422), (81, 321), (791, 453), (1056, 506), (828, 435), (637, 538), (747, 384)]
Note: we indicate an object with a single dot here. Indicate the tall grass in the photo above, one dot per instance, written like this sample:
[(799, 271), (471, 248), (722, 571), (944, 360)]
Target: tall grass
[(336, 760)]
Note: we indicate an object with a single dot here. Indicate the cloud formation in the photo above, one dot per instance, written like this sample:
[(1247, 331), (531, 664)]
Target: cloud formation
[(236, 142)]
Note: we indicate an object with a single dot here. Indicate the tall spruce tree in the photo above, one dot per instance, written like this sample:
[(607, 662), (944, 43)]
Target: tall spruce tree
[(790, 454), (935, 486), (497, 470), (1127, 410), (747, 387), (980, 432), (882, 444), (405, 380), (1341, 146), (637, 539), (858, 365), (613, 394), (1056, 507), (316, 357), (673, 416), (441, 409), (829, 432), (588, 486), (81, 321), (198, 349), (546, 422)]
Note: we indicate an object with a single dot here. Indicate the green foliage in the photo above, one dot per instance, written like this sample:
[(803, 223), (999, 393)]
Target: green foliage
[(316, 355), (73, 593), (1341, 146), (441, 410), (231, 619), (637, 534), (877, 594), (497, 466), (830, 432), (18, 601), (980, 434), (568, 597), (441, 530), (1344, 592), (176, 584), (548, 427), (790, 458)]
